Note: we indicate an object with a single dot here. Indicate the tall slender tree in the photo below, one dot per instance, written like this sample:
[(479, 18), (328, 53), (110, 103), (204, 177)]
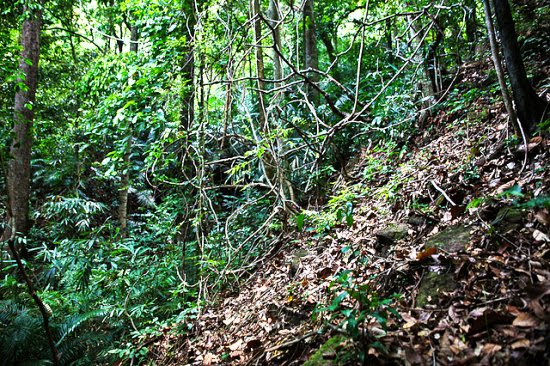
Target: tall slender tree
[(125, 175), (311, 53), (189, 21), (260, 69), (19, 165), (274, 18), (530, 107), (470, 22)]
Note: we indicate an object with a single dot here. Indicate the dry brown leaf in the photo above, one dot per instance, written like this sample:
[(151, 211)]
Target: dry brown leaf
[(521, 343), (476, 313), (426, 253), (235, 354), (542, 217), (491, 348), (505, 186), (209, 359), (540, 236), (525, 320), (235, 346)]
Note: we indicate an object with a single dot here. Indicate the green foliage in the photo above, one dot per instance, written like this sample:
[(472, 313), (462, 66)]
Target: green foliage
[(354, 305), (22, 336), (339, 210), (201, 211)]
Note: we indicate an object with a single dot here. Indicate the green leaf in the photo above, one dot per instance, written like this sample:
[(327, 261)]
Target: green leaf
[(514, 191), (475, 203), (349, 219), (543, 201), (300, 218), (337, 301)]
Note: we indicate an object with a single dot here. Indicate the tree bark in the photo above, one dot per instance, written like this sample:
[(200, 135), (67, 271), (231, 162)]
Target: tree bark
[(530, 107), (125, 186), (187, 110), (498, 66), (125, 176), (471, 23), (134, 36), (331, 52), (260, 69), (19, 166), (424, 84), (274, 18), (311, 53), (431, 61), (389, 40)]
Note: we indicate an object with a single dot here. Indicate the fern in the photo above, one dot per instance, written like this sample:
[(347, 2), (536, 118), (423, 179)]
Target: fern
[(74, 321), (144, 197), (22, 339), (22, 335)]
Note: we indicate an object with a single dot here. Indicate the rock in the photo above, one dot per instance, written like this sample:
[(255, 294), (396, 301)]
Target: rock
[(392, 233), (508, 215), (452, 239), (508, 219), (432, 285), (416, 220)]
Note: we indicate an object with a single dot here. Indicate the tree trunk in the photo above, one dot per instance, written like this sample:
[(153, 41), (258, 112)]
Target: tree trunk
[(187, 110), (274, 18), (471, 23), (432, 61), (530, 107), (260, 70), (19, 166), (125, 186), (389, 40), (331, 52), (134, 36), (498, 66), (125, 176), (424, 85), (311, 60), (272, 167)]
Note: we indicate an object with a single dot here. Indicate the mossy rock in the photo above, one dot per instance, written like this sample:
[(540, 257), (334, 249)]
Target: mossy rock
[(392, 233), (509, 218), (452, 239), (432, 285), (328, 353)]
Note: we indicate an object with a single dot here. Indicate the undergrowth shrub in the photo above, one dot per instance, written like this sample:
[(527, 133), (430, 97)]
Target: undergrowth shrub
[(356, 308)]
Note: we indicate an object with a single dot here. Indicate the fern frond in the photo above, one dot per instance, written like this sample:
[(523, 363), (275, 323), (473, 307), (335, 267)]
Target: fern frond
[(73, 322)]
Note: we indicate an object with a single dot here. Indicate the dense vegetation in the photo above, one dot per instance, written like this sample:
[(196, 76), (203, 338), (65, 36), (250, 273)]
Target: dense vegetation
[(171, 147)]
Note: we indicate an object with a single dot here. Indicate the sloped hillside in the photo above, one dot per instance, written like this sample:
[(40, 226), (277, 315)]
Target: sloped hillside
[(430, 252)]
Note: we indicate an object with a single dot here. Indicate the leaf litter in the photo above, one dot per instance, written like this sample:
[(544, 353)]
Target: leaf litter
[(490, 295)]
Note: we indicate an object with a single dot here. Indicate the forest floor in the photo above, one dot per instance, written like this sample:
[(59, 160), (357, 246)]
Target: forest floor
[(457, 224)]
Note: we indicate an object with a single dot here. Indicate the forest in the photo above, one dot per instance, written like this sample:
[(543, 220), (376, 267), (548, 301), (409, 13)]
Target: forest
[(274, 182)]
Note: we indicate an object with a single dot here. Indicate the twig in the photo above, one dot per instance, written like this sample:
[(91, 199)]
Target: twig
[(442, 192), (290, 343)]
